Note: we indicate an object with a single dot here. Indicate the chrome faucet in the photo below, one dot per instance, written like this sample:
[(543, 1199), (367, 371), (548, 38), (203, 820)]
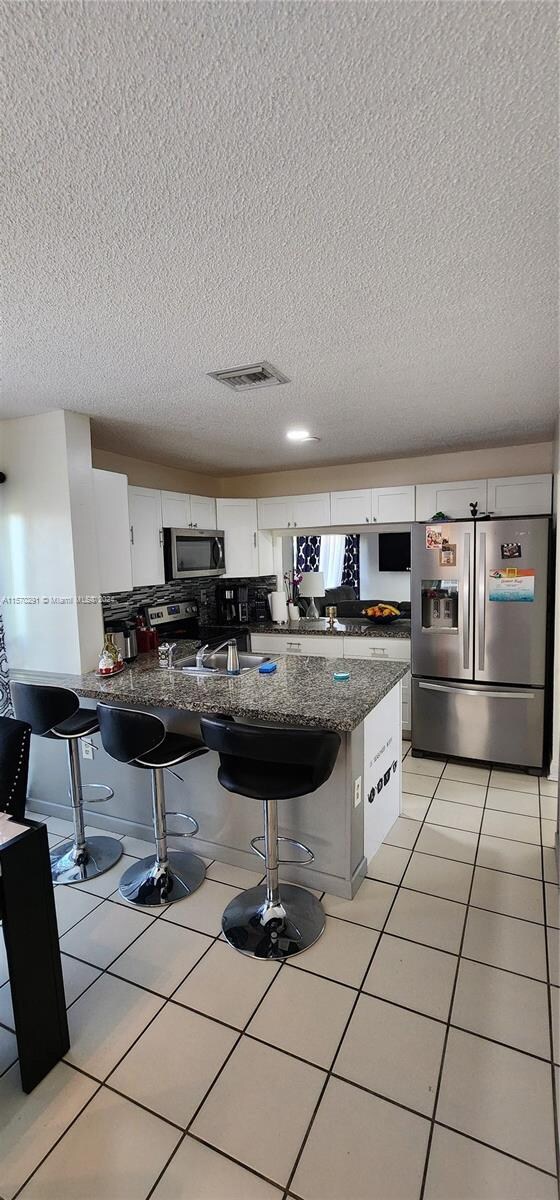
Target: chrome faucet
[(232, 660)]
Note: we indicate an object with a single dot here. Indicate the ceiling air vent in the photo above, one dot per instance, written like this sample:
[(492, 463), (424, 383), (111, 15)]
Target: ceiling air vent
[(243, 379)]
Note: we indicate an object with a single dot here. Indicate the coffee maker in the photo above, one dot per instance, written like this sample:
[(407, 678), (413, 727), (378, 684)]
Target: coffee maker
[(232, 603)]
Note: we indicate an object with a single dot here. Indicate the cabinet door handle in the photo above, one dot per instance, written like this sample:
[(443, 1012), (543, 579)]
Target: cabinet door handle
[(297, 645), (132, 535), (161, 537), (367, 520), (255, 539)]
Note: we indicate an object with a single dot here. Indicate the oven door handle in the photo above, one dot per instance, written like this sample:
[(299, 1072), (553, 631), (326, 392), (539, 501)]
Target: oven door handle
[(463, 691)]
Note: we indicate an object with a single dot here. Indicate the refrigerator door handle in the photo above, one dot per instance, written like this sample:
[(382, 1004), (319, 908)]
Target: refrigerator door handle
[(463, 691), (466, 602), (481, 593)]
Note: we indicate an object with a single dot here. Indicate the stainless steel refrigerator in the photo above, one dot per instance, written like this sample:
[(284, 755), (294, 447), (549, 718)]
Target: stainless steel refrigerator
[(480, 594)]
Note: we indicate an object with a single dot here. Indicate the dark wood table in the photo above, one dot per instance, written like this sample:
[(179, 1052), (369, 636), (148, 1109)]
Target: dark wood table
[(31, 937)]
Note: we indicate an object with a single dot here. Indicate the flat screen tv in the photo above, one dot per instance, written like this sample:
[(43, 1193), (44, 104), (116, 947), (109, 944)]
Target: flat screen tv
[(394, 552)]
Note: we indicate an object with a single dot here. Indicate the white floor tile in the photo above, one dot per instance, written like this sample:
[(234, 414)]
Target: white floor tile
[(499, 1096), (467, 774), (198, 1173), (425, 766), (137, 847), (357, 1141), (554, 956), (237, 877), (161, 957), (3, 960), (278, 1093), (77, 977), (413, 975), (548, 833), (515, 781), (105, 1021), (549, 807), (204, 909), (509, 825), (418, 785), (403, 833), (502, 854), (369, 906), (388, 864), (550, 867), (227, 985), (461, 1169), (461, 792), (439, 877), (342, 952), (58, 825), (552, 894), (455, 815), (555, 1005), (171, 1067), (8, 1049), (104, 933), (447, 843), (502, 1006), (6, 1009), (114, 1149), (381, 1043), (549, 787), (71, 906), (287, 1017), (505, 942), (414, 807), (31, 1124), (506, 800), (512, 895), (428, 920), (106, 883)]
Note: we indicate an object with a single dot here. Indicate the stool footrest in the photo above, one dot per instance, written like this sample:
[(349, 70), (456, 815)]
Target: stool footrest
[(184, 817), (297, 862), (109, 793)]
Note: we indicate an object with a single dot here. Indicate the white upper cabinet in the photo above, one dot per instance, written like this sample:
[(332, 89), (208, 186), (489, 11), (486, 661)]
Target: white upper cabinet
[(520, 496), (175, 510), (393, 504), (453, 499), (181, 511), (275, 512), (295, 512), (203, 512), (238, 519), (351, 508), (146, 536), (112, 527)]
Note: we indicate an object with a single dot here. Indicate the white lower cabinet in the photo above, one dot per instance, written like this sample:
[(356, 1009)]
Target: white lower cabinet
[(290, 643), (391, 649)]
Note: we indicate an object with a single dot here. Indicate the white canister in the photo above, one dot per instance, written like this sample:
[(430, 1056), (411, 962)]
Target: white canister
[(279, 607), (293, 612)]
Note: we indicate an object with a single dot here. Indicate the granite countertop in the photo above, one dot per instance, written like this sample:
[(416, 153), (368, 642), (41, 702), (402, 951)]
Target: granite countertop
[(346, 626), (300, 692)]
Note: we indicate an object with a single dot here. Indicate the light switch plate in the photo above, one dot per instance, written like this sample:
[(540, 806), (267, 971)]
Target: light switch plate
[(358, 791)]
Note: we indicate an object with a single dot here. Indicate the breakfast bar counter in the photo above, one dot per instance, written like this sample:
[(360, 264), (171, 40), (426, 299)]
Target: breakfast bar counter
[(344, 821)]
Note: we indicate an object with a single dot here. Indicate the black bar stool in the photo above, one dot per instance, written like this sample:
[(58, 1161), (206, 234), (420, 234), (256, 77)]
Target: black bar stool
[(271, 764), (140, 738), (55, 712)]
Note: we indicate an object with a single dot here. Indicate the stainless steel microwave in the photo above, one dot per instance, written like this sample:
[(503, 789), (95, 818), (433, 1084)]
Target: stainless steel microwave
[(191, 552)]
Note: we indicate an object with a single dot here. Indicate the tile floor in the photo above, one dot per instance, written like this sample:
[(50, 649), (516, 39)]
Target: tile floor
[(409, 1055)]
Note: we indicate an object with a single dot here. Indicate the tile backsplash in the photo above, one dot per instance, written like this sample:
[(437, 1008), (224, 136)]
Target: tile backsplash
[(118, 605)]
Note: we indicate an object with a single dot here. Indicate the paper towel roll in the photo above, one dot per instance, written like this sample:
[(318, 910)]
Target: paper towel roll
[(279, 607)]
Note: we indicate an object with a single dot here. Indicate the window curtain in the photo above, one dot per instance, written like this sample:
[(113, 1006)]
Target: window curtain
[(351, 564), (331, 559), (5, 698), (308, 551)]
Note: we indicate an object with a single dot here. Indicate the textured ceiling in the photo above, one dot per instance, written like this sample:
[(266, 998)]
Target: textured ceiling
[(361, 193)]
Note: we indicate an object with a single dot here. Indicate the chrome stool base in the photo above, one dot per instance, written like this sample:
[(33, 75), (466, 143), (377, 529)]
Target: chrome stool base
[(262, 929), (152, 885), (70, 865)]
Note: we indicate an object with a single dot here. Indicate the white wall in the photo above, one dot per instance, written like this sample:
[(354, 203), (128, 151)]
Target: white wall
[(376, 584), (46, 550), (555, 764)]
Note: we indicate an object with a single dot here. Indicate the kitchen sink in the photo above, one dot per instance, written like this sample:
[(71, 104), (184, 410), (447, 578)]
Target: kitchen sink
[(216, 664)]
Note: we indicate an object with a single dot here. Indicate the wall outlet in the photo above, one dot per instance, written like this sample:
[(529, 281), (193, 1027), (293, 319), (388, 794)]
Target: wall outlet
[(87, 749), (357, 791)]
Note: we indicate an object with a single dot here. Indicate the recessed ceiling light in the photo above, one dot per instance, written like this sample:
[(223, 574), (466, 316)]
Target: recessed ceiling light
[(300, 435)]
